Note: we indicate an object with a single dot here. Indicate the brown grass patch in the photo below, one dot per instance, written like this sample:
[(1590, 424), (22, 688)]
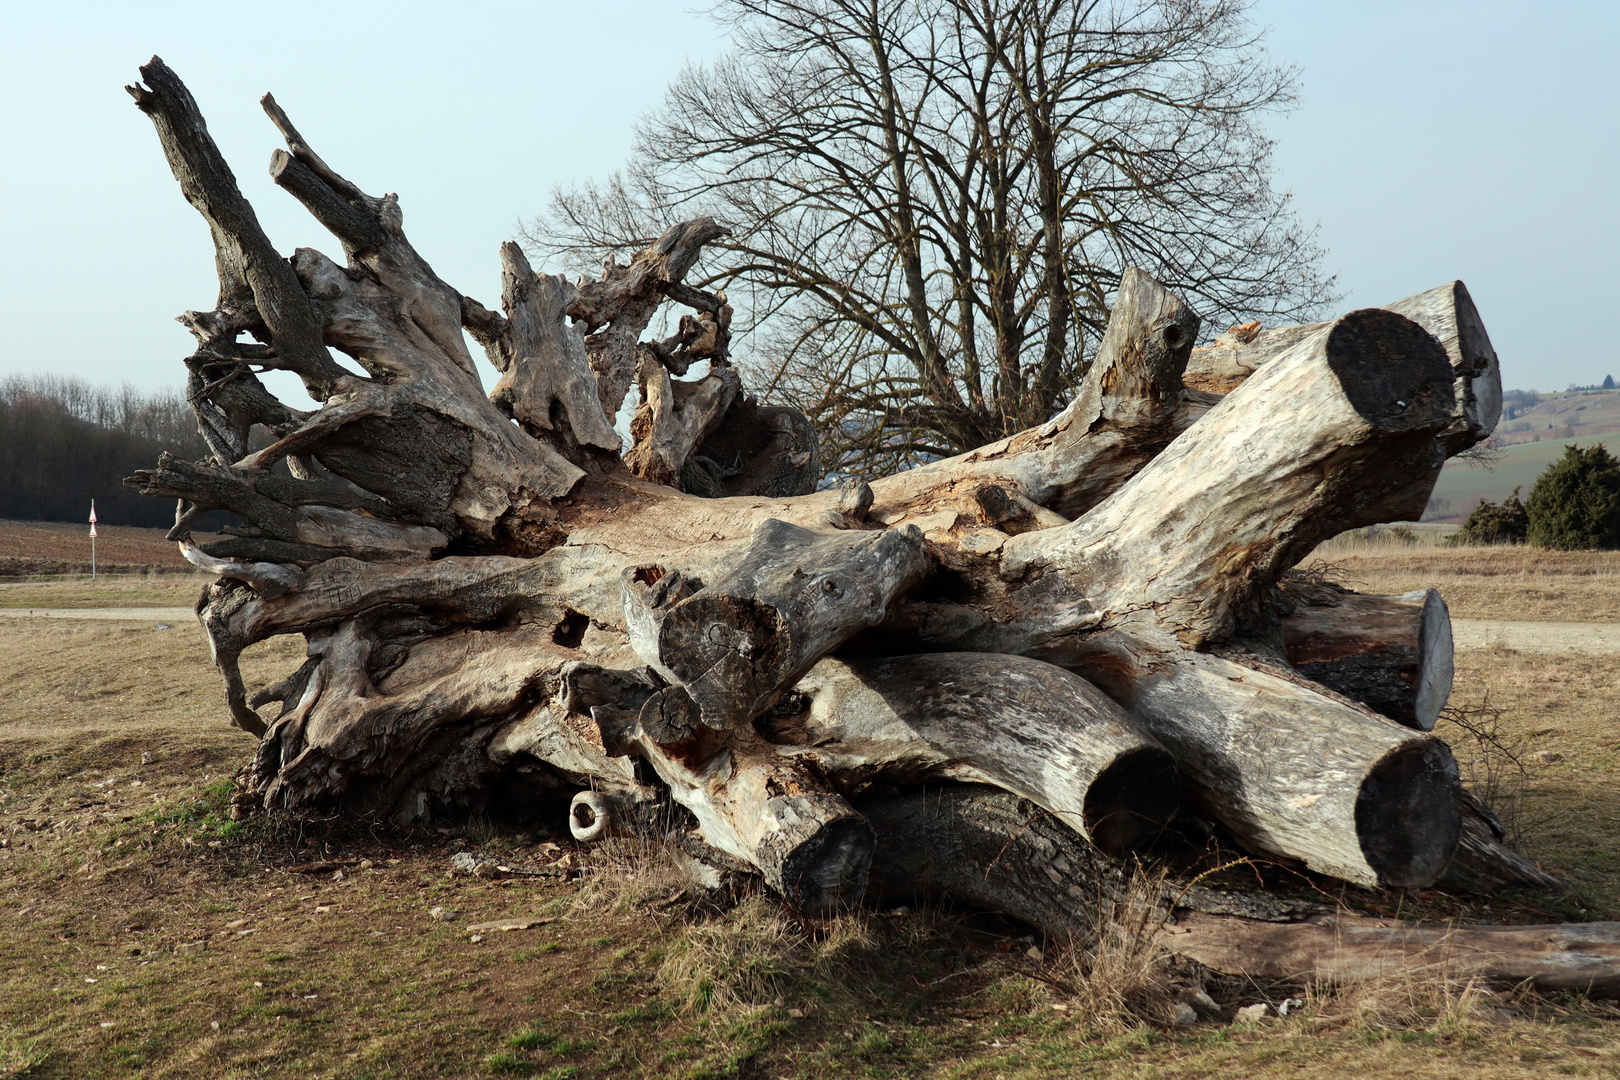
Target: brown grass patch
[(1487, 582)]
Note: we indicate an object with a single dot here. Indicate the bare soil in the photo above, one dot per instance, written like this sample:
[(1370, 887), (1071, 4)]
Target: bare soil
[(34, 548)]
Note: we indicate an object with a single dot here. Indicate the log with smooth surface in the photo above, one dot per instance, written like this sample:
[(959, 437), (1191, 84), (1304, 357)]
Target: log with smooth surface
[(1579, 958)]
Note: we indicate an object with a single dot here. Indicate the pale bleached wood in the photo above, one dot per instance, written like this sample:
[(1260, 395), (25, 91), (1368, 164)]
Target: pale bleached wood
[(675, 418), (1031, 728), (1447, 312), (735, 645), (541, 358), (428, 681)]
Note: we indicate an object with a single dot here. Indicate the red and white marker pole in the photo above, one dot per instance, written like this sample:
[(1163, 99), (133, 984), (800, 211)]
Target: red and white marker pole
[(92, 539)]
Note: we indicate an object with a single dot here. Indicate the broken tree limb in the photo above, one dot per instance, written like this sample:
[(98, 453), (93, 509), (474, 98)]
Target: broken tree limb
[(541, 359), (1201, 533), (1484, 864), (675, 418), (1031, 728), (1391, 653), (1580, 958), (1127, 409), (1447, 312), (741, 641)]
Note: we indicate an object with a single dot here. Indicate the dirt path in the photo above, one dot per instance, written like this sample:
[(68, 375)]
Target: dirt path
[(182, 615), (1554, 637)]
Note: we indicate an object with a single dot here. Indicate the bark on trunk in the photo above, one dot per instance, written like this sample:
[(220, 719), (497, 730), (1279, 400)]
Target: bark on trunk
[(1393, 654)]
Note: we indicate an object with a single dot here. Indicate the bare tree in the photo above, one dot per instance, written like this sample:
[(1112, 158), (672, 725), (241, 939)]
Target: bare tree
[(933, 200)]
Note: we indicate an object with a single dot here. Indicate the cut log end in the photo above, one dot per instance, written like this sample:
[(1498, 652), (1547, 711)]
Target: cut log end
[(1391, 653), (824, 870), (1132, 800), (1409, 814), (1437, 669), (1394, 373)]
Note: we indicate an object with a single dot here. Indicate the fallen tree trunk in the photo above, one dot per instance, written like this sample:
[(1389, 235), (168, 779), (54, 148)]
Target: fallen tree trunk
[(493, 597), (1392, 654), (1579, 958), (1030, 728)]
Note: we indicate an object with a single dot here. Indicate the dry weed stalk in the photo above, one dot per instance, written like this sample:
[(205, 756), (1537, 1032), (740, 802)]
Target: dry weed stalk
[(1493, 764), (1406, 998)]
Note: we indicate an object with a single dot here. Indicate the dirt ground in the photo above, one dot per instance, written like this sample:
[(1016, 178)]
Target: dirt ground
[(144, 933), (32, 548)]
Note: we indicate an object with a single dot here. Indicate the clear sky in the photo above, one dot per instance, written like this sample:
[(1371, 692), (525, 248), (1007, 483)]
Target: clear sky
[(1434, 140)]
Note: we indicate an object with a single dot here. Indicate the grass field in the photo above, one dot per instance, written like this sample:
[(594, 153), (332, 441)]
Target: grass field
[(146, 934), (1464, 483)]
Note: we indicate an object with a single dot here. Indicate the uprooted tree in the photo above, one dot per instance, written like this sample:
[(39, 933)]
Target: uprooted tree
[(1091, 615)]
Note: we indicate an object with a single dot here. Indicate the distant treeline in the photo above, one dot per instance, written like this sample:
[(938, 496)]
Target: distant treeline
[(64, 442)]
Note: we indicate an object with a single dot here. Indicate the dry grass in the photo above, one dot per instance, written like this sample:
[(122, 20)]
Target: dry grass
[(110, 866), (122, 590), (1486, 582)]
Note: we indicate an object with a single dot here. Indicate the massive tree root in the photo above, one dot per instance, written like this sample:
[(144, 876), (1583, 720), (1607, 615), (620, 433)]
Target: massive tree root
[(503, 604)]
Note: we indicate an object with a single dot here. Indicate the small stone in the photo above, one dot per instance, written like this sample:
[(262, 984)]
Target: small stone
[(214, 1024), (190, 946), (476, 938), (1035, 954), (1251, 1014), (146, 757), (166, 626), (1183, 1015), (442, 914), (366, 864)]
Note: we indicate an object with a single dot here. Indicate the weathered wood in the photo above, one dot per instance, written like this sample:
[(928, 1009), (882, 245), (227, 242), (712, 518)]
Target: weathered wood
[(1184, 555), (1207, 527), (477, 603), (1581, 958), (1033, 729), (1127, 409), (1391, 653), (1483, 863), (541, 359), (1447, 312), (986, 848), (767, 450), (626, 297), (738, 643), (675, 418)]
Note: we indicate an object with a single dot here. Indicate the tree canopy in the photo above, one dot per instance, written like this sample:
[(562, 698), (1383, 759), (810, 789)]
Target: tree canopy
[(931, 202)]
